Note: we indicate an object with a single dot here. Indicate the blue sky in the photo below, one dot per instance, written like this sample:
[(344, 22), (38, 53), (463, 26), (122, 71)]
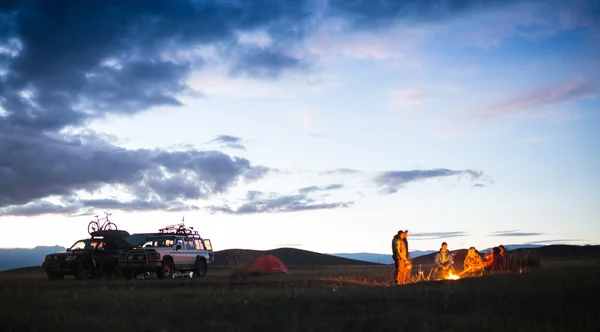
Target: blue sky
[(477, 125)]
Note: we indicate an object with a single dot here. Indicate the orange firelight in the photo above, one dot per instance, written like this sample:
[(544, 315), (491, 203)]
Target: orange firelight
[(452, 276)]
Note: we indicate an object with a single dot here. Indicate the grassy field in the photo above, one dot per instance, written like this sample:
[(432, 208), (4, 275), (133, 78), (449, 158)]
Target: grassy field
[(561, 296)]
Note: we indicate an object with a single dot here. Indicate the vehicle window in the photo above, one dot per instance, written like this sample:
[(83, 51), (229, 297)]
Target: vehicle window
[(207, 244), (78, 245), (180, 242), (199, 245), (160, 243), (189, 244)]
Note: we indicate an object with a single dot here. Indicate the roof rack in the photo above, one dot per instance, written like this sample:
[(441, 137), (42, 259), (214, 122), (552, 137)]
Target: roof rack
[(178, 229)]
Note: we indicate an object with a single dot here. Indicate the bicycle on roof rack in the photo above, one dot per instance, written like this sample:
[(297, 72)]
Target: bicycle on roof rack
[(95, 225), (178, 229)]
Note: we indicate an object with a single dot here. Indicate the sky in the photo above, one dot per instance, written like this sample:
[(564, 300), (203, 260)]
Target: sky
[(321, 125)]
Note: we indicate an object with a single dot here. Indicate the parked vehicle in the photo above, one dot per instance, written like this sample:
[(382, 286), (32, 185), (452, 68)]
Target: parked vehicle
[(172, 250), (94, 257)]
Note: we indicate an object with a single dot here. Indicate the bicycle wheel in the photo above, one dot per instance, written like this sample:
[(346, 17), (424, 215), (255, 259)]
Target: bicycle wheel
[(92, 227), (110, 226)]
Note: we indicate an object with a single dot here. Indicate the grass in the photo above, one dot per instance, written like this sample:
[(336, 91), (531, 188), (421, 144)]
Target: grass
[(553, 297)]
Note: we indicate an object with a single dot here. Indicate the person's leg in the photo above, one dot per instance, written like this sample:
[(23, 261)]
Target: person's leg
[(407, 275), (399, 274), (396, 271)]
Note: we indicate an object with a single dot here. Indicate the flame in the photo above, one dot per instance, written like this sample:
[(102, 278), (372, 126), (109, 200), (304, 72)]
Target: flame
[(452, 276)]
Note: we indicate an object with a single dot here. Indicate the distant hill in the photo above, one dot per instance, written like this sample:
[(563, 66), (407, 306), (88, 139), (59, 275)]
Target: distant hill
[(563, 251), (515, 246), (291, 257), (380, 258), (13, 258)]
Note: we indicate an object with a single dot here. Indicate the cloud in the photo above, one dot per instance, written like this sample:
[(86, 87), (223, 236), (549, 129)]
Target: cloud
[(75, 206), (40, 165), (435, 235), (569, 91), (229, 141), (391, 181), (365, 14), (259, 202), (265, 63), (311, 189), (131, 64), (514, 233), (341, 171)]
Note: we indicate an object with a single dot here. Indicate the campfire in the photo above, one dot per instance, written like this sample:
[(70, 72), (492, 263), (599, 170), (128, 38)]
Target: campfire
[(452, 276)]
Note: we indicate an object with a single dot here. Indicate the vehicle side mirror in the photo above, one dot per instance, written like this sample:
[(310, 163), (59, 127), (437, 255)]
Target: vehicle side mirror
[(68, 249), (178, 247)]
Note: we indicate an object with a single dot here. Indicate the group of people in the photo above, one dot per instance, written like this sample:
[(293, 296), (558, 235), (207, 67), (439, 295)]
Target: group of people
[(497, 260)]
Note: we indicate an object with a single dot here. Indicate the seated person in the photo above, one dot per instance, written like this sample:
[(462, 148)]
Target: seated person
[(443, 261), (494, 261), (473, 262), (506, 258)]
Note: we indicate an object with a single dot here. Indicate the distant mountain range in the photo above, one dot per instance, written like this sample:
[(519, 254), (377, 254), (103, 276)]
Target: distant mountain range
[(380, 258), (12, 258)]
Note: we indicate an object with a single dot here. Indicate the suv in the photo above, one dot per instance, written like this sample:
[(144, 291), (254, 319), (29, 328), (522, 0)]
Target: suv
[(173, 249), (88, 258)]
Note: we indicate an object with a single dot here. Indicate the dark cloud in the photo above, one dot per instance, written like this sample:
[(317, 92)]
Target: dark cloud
[(80, 207), (435, 235), (514, 233), (379, 14), (259, 202), (122, 57), (265, 63), (42, 166), (311, 189), (391, 181), (229, 141)]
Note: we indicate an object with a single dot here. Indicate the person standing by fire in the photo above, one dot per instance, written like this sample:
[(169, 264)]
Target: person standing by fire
[(400, 254), (443, 261)]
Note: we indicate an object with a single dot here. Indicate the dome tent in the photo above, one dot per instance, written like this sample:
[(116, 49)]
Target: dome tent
[(267, 264)]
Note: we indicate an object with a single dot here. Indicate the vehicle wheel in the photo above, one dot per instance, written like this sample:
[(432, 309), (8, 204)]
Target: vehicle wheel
[(200, 268), (92, 227), (110, 226), (166, 270), (83, 272)]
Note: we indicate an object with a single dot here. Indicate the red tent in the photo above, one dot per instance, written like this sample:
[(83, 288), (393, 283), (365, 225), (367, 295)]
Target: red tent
[(267, 264)]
